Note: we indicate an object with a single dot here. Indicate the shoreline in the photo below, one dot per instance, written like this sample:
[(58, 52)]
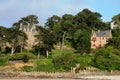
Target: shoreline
[(55, 76)]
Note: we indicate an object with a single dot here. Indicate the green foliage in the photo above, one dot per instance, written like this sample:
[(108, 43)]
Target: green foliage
[(19, 56), (31, 19), (46, 40), (91, 19), (64, 60), (115, 40), (82, 41), (45, 65), (106, 60), (27, 68), (25, 58), (3, 61), (84, 60), (52, 21), (16, 38)]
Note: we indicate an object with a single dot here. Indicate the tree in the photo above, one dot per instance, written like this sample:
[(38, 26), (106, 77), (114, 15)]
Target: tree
[(81, 41), (67, 28), (3, 40), (16, 38), (52, 21), (30, 19), (54, 24), (46, 40), (91, 19), (115, 40)]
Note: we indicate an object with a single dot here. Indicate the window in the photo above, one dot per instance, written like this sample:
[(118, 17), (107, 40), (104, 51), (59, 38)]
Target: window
[(94, 39), (93, 45), (33, 30), (99, 46)]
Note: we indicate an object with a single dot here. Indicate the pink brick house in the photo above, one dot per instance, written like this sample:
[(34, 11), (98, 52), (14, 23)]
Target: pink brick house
[(100, 38)]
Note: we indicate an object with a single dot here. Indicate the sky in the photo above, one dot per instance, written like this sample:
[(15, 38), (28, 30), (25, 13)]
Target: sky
[(12, 11)]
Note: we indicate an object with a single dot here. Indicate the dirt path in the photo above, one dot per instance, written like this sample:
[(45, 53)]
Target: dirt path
[(16, 65)]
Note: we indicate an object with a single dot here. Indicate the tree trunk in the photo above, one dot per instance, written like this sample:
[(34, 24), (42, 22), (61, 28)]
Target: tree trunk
[(38, 56), (12, 50), (21, 49), (47, 53), (63, 38), (59, 44)]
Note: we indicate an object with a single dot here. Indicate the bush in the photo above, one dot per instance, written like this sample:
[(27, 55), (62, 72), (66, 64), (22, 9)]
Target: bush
[(25, 58), (106, 60), (3, 61), (27, 68), (65, 61), (44, 65), (84, 60), (19, 56)]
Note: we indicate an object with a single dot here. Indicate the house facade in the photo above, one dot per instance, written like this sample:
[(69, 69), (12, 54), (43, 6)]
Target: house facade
[(30, 31), (100, 38)]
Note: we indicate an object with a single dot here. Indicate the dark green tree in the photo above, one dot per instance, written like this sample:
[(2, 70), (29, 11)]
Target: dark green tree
[(32, 19), (46, 40), (28, 20), (16, 38), (81, 41), (115, 40), (91, 19), (52, 21), (3, 40)]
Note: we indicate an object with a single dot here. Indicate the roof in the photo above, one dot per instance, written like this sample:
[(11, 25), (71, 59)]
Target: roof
[(106, 33)]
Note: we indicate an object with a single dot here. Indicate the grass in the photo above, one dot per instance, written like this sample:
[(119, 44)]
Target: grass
[(58, 51), (45, 65)]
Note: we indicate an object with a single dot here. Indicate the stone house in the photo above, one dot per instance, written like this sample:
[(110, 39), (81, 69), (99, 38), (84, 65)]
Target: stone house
[(30, 31), (100, 38)]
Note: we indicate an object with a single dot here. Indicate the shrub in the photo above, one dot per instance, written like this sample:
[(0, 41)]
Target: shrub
[(44, 65), (25, 58), (84, 60), (19, 56), (65, 61), (27, 68), (106, 60), (3, 61)]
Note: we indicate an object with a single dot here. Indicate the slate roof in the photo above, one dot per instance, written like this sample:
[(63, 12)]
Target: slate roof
[(106, 33)]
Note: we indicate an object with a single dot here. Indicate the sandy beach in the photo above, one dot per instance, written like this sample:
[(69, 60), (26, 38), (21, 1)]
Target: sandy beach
[(99, 77)]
